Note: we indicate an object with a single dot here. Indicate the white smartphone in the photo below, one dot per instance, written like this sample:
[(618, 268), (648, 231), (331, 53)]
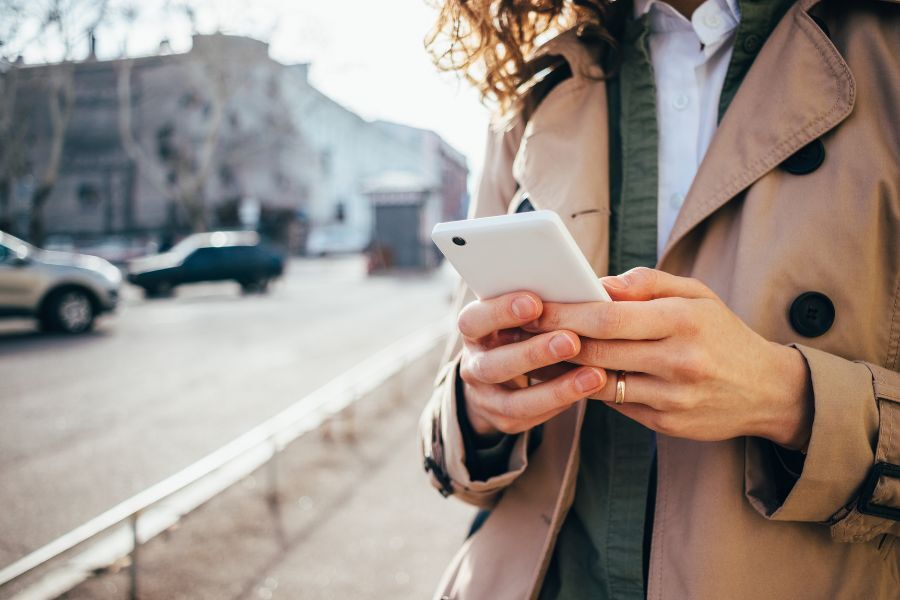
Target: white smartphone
[(530, 251)]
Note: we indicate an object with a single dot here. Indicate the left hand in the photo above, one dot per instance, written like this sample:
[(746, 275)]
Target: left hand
[(694, 369)]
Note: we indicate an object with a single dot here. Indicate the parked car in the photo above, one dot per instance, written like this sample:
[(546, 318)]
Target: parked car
[(64, 291), (217, 256), (116, 249)]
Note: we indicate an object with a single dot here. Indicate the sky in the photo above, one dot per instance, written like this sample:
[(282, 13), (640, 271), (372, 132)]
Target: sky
[(366, 54)]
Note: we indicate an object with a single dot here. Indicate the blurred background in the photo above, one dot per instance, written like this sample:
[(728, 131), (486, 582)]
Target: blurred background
[(220, 308)]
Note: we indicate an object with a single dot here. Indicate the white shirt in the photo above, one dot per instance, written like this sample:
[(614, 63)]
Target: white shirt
[(690, 59)]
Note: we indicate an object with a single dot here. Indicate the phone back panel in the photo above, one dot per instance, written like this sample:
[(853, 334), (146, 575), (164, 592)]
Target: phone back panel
[(527, 251)]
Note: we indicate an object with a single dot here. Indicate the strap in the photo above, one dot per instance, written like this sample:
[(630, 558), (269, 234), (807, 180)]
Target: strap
[(880, 494)]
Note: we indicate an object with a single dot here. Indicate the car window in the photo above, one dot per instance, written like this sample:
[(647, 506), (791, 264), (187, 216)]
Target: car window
[(202, 257), (243, 252), (5, 254)]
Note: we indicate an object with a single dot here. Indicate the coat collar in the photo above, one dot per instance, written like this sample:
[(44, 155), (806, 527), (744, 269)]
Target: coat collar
[(798, 88), (563, 158)]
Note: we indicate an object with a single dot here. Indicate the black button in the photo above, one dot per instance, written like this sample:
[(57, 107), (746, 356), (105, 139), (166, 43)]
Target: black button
[(752, 43), (812, 314), (805, 160)]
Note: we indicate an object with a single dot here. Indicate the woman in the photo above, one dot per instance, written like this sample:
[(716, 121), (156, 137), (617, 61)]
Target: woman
[(741, 436)]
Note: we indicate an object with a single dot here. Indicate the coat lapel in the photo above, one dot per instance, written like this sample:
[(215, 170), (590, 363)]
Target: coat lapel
[(798, 88), (563, 159)]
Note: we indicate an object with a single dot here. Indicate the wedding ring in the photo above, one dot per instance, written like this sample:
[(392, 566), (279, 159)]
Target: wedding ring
[(620, 387)]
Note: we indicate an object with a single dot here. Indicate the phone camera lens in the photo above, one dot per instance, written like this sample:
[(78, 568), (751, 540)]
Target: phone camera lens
[(459, 241)]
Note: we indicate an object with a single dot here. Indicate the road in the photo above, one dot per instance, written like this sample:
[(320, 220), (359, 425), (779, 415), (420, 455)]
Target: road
[(86, 422)]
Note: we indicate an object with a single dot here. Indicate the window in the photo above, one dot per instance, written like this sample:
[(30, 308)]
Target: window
[(88, 195), (226, 175), (5, 254)]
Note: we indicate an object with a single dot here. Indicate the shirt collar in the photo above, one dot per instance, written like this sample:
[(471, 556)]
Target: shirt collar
[(713, 21)]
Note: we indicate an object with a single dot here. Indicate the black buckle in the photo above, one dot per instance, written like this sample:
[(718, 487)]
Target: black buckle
[(865, 504), (442, 478)]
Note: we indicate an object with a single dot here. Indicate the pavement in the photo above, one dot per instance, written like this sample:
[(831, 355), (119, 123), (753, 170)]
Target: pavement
[(88, 421), (355, 519)]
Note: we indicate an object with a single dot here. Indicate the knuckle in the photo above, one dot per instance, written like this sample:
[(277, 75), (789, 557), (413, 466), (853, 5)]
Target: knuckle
[(465, 367), (688, 401), (537, 353), (476, 366), (464, 322), (665, 423), (596, 352), (645, 273), (643, 276), (610, 319), (563, 394), (678, 399), (549, 320), (692, 365), (506, 424), (685, 320)]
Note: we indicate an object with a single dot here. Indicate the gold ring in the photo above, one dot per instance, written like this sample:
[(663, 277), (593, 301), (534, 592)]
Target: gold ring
[(620, 387)]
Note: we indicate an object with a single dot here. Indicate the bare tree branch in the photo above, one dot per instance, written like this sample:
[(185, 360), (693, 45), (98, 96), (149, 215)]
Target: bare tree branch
[(148, 167)]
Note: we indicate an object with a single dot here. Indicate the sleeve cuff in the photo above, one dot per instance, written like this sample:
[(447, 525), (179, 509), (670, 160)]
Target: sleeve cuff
[(850, 478), (841, 448), (485, 458), (447, 459)]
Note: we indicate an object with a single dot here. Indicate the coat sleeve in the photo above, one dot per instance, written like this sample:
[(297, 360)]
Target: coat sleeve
[(850, 478), (441, 442)]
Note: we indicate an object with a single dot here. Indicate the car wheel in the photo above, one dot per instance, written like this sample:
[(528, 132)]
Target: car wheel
[(163, 289), (69, 311), (256, 286)]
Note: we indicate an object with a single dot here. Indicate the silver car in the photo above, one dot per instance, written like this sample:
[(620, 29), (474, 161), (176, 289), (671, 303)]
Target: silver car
[(64, 291)]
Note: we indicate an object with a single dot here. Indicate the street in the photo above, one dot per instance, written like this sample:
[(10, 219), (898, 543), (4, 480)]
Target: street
[(86, 422)]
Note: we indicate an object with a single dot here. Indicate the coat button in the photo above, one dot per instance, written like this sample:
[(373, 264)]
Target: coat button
[(812, 314), (805, 160)]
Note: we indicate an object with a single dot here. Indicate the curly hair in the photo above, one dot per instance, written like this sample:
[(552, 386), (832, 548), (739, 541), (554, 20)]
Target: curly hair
[(489, 41)]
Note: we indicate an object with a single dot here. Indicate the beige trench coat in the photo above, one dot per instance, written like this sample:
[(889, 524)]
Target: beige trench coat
[(759, 237)]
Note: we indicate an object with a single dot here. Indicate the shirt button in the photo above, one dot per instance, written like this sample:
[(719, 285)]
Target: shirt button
[(676, 200), (712, 20), (752, 43), (680, 102)]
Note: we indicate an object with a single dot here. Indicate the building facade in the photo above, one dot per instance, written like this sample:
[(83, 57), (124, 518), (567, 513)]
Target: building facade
[(221, 136)]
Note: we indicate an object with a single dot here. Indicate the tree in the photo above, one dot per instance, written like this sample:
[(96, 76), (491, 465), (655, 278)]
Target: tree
[(63, 25), (12, 163), (200, 138), (180, 164)]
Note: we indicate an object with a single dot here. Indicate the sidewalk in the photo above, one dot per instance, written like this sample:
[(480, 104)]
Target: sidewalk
[(355, 519)]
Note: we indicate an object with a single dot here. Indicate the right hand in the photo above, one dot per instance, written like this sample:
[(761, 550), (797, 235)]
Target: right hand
[(497, 355)]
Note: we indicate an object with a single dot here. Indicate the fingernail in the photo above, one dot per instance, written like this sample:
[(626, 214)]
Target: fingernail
[(524, 307), (588, 380), (617, 283), (562, 346)]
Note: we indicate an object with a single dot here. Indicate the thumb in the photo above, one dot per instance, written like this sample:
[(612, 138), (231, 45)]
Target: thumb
[(642, 283)]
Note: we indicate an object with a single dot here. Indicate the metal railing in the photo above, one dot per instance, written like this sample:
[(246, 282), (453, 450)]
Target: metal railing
[(120, 531)]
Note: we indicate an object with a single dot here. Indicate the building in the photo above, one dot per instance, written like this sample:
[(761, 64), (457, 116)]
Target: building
[(221, 136)]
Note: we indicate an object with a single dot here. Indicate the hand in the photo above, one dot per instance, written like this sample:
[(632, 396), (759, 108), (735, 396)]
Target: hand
[(694, 369), (496, 356)]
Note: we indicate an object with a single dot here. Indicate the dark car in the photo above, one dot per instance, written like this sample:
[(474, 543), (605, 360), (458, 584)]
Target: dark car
[(218, 256)]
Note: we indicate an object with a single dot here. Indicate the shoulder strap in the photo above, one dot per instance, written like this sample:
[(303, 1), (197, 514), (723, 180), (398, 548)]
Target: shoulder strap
[(552, 69)]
